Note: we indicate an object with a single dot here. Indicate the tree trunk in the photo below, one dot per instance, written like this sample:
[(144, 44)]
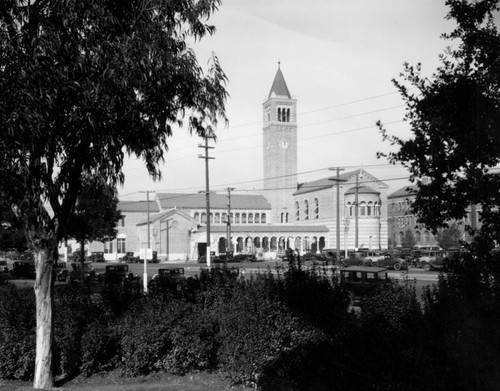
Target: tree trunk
[(44, 286)]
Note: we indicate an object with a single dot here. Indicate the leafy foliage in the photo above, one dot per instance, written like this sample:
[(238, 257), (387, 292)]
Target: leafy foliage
[(455, 117)]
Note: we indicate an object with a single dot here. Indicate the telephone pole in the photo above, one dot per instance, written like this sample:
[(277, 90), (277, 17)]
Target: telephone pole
[(207, 192), (145, 275), (228, 249), (356, 213), (337, 179)]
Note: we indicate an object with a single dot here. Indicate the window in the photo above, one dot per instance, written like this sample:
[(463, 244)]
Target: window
[(363, 209), (263, 218), (203, 218), (108, 247), (237, 218), (217, 218), (369, 208), (297, 211), (197, 217), (306, 210), (224, 218), (282, 217), (316, 208), (286, 218), (120, 245), (257, 218), (250, 218), (243, 218)]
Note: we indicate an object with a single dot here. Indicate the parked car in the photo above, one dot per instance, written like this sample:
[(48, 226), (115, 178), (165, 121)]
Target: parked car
[(97, 256), (24, 269), (354, 259), (129, 257), (4, 272), (115, 274), (362, 280), (314, 258), (391, 261), (244, 258), (431, 260), (373, 256), (76, 271), (172, 279)]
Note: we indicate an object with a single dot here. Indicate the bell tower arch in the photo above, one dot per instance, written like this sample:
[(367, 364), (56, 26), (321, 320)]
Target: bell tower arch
[(280, 148)]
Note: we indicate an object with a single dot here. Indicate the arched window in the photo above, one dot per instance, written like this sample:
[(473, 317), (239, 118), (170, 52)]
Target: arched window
[(369, 209), (283, 217), (306, 210), (224, 218), (211, 218), (237, 218), (316, 208), (243, 218), (263, 218), (297, 211), (279, 114), (217, 218), (363, 209), (418, 236), (197, 217), (203, 218), (351, 209), (250, 218), (257, 218), (287, 115), (286, 218)]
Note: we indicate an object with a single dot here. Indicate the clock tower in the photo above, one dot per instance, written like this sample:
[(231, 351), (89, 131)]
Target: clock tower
[(280, 149)]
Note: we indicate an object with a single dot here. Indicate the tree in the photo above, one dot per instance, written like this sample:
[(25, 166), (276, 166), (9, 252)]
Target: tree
[(449, 237), (454, 118), (82, 85), (96, 215), (409, 239)]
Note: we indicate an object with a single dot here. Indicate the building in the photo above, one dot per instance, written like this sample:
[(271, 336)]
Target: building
[(301, 216)]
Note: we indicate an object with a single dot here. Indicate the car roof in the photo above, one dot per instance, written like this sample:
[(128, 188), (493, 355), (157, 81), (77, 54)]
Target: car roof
[(364, 269)]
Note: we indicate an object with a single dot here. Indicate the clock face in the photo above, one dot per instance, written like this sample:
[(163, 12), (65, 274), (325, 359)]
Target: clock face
[(284, 144)]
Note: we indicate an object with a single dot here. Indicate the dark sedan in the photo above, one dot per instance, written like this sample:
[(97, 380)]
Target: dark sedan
[(391, 262)]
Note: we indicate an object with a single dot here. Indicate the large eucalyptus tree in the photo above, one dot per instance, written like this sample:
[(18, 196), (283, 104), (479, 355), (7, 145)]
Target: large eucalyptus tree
[(83, 84)]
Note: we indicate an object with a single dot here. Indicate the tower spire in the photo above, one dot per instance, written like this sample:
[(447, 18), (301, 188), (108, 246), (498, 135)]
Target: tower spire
[(279, 87)]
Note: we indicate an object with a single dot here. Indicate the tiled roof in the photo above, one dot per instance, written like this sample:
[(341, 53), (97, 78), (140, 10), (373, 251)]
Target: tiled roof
[(138, 206), (404, 192), (329, 182), (362, 190), (279, 87), (217, 201)]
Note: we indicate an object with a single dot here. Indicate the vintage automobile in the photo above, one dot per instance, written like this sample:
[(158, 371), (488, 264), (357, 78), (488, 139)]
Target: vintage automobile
[(172, 279), (314, 258), (97, 256), (354, 259), (391, 261), (129, 257), (362, 280), (430, 260), (75, 272), (4, 272), (372, 257), (23, 269), (119, 275)]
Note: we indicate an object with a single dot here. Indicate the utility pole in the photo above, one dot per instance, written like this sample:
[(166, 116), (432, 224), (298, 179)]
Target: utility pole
[(228, 250), (207, 193), (338, 169), (145, 275), (356, 216)]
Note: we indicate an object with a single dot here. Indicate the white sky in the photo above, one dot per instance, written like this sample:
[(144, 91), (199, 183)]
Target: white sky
[(338, 58)]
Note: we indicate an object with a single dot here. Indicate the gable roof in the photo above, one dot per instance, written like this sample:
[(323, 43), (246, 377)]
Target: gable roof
[(405, 191), (137, 206), (279, 87), (329, 182), (217, 201), (164, 215)]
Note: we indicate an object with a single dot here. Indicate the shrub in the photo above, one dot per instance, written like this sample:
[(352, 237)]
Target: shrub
[(17, 333)]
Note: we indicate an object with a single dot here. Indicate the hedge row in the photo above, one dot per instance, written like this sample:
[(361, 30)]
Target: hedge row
[(287, 332)]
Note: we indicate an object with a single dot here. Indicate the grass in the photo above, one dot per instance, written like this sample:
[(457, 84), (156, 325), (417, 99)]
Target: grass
[(114, 382)]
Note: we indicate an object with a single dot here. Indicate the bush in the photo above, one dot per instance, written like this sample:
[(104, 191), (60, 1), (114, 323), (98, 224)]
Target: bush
[(17, 333)]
